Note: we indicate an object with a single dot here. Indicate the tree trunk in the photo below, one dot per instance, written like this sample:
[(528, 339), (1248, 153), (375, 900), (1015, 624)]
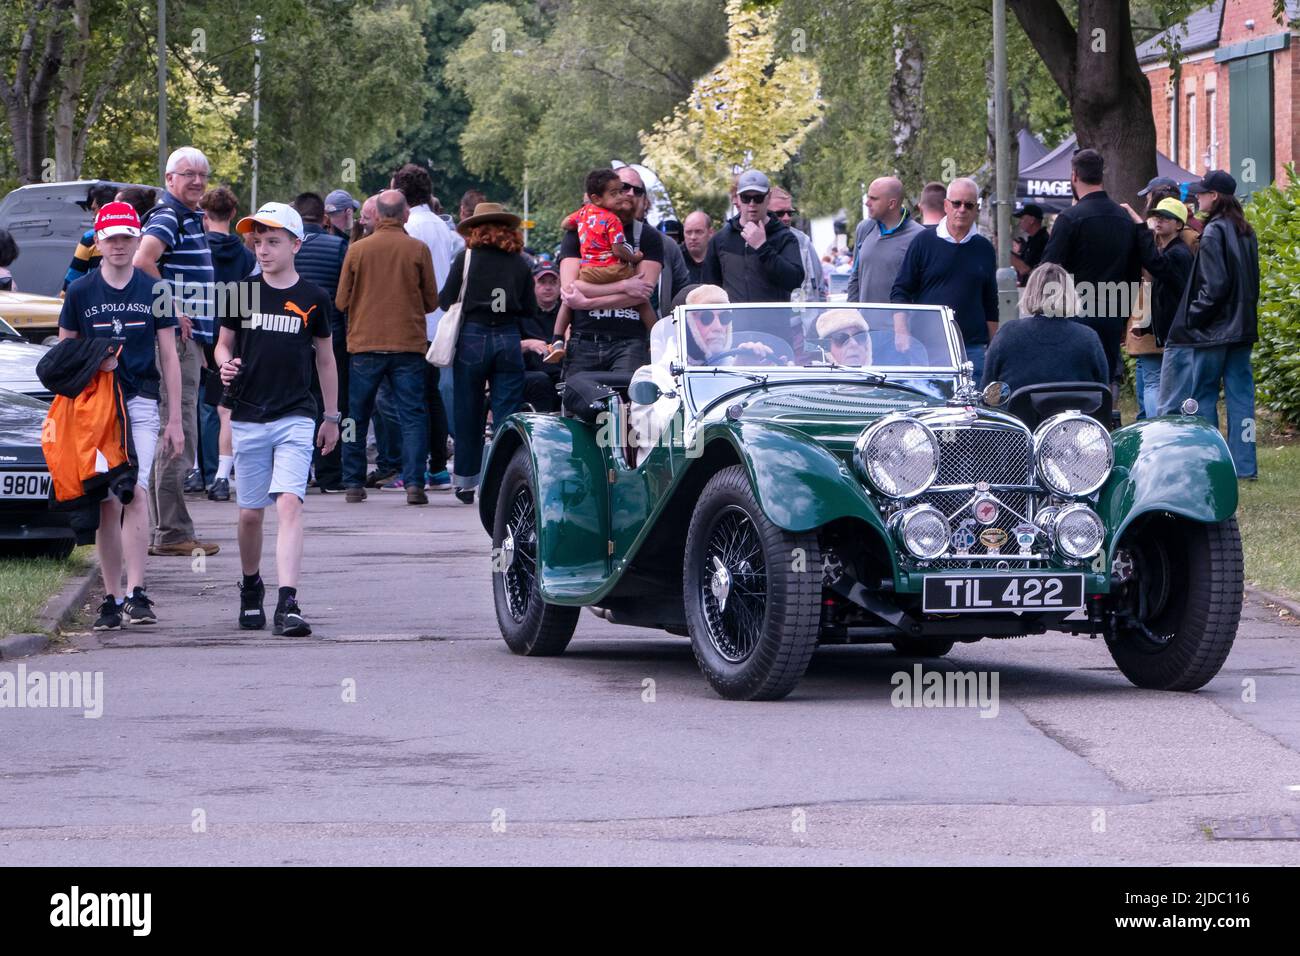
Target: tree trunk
[(1096, 68), (27, 96), (906, 102), (71, 78)]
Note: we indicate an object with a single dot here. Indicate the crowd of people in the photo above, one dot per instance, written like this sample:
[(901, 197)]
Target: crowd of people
[(291, 332)]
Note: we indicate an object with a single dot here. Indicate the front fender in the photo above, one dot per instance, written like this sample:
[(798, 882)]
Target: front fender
[(799, 483), (1178, 465), (570, 486)]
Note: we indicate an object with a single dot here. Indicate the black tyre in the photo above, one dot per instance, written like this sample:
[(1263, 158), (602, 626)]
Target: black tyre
[(921, 647), (1177, 615), (752, 593), (529, 625)]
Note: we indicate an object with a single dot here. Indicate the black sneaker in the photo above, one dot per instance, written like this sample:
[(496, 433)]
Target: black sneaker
[(465, 495), (289, 621), (138, 609), (220, 490), (331, 489), (252, 617), (110, 615), (193, 482), (380, 477)]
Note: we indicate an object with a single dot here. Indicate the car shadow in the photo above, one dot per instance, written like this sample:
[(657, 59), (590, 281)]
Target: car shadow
[(839, 673)]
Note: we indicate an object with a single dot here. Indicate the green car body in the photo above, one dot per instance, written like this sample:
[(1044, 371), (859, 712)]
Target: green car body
[(611, 526)]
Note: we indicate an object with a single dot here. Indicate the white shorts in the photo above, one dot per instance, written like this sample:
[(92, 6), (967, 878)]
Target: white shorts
[(145, 426), (272, 458)]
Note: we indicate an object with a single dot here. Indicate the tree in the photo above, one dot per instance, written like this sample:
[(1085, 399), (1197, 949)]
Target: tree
[(558, 89), (36, 31), (753, 109)]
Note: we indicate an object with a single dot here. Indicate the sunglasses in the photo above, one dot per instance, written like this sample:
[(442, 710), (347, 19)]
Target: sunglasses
[(634, 190), (752, 199), (844, 338), (784, 213), (714, 317), (962, 203)]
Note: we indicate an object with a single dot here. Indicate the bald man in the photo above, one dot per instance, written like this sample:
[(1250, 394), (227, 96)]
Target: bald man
[(697, 230), (881, 242)]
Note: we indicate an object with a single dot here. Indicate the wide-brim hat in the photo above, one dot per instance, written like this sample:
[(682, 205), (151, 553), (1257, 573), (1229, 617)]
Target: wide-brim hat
[(486, 212)]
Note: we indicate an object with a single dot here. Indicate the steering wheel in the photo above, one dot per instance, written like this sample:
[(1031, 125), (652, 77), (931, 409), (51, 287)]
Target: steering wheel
[(781, 353)]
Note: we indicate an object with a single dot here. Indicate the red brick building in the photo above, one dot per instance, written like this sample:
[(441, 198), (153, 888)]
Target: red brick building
[(1236, 104)]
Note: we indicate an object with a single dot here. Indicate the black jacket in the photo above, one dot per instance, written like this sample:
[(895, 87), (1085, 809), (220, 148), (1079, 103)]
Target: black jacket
[(1094, 241), (767, 274), (1170, 269), (1218, 306), (499, 291), (67, 368), (320, 261)]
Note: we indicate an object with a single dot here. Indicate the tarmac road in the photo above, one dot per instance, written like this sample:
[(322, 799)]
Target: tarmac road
[(215, 747)]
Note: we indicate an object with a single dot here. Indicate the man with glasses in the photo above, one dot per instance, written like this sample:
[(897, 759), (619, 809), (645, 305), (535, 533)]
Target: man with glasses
[(754, 256), (607, 333), (881, 241), (952, 265), (175, 250), (781, 206)]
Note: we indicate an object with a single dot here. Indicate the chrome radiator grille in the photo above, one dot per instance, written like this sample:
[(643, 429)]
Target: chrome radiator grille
[(1000, 456)]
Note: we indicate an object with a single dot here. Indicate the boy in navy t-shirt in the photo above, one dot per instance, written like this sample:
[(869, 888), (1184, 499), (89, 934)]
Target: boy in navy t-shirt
[(117, 300)]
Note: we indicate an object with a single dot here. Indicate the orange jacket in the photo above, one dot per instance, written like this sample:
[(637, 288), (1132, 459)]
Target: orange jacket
[(86, 440)]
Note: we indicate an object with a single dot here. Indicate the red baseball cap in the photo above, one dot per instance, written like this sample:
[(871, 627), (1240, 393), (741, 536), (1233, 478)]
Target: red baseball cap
[(116, 219)]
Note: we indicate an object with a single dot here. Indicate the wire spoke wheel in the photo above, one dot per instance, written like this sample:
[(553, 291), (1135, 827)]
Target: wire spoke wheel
[(733, 585), (519, 553)]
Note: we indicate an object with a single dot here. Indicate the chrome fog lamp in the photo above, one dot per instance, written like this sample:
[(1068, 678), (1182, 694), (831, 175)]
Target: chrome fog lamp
[(922, 530), (1078, 532), (898, 455)]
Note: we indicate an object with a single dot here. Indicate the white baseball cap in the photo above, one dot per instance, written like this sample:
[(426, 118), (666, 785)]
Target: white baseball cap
[(277, 215)]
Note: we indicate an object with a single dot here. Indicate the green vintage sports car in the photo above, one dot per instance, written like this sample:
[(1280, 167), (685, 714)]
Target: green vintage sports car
[(789, 475)]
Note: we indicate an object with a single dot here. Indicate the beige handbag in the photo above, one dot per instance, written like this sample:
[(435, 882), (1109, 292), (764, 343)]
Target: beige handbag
[(442, 350)]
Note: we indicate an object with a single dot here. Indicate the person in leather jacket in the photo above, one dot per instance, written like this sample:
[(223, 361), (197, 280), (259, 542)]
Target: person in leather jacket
[(1216, 324)]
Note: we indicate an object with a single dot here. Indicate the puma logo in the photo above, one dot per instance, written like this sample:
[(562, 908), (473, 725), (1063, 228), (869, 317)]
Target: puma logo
[(305, 316)]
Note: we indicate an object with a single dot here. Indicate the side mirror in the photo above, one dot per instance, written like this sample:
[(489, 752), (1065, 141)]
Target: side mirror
[(996, 394), (644, 392)]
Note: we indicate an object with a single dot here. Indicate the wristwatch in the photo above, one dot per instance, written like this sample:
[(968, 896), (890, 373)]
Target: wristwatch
[(335, 418)]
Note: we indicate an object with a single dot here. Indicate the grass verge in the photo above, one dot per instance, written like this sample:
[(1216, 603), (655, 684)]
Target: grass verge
[(1269, 514), (26, 584)]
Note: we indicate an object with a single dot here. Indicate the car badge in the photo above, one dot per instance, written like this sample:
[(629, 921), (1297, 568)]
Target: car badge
[(1025, 534), (963, 539), (986, 510), (993, 539), (981, 486)]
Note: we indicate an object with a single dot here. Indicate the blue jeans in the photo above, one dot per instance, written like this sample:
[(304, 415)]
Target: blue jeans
[(1197, 373), (485, 356), (388, 432), (209, 432), (1146, 384), (976, 355), (404, 374)]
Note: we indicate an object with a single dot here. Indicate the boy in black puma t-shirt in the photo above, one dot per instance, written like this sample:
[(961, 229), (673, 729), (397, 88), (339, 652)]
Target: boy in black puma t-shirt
[(266, 354)]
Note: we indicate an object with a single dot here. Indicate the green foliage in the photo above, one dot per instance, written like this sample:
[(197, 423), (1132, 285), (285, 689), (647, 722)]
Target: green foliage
[(1275, 214), (558, 89)]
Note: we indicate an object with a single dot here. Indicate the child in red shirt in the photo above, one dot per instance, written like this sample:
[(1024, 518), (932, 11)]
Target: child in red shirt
[(607, 256)]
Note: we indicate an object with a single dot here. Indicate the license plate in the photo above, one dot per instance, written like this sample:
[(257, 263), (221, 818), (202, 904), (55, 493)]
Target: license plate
[(24, 484), (988, 593)]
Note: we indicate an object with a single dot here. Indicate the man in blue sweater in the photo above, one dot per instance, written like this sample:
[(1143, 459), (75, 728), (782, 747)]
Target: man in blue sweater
[(952, 265)]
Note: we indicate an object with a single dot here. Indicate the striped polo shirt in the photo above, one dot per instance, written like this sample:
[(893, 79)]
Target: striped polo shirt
[(187, 263)]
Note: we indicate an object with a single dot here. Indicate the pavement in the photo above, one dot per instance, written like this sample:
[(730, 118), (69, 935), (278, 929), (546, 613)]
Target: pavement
[(404, 732)]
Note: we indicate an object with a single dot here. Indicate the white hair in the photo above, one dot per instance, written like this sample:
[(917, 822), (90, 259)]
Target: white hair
[(965, 181), (191, 154)]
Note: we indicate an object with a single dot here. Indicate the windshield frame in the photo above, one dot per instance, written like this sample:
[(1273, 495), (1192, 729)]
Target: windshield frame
[(8, 332), (945, 314)]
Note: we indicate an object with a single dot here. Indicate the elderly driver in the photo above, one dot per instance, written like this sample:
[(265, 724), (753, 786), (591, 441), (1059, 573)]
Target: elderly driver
[(847, 332)]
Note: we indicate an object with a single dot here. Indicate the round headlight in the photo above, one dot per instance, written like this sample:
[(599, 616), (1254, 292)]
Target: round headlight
[(1074, 454), (923, 531), (899, 456), (1078, 532)]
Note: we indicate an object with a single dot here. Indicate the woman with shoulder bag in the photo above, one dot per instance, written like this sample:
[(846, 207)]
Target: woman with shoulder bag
[(495, 294)]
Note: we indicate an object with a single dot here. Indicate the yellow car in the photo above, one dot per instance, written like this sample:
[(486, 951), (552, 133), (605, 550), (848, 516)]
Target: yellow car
[(35, 316)]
